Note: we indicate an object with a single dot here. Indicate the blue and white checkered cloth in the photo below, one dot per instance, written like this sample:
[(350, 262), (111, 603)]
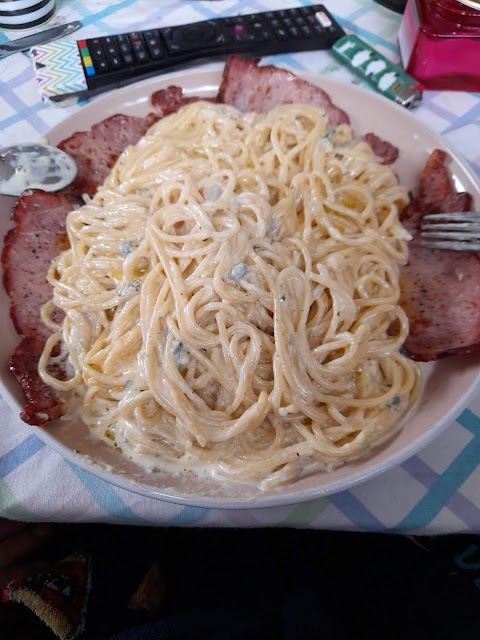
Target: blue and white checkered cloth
[(435, 491)]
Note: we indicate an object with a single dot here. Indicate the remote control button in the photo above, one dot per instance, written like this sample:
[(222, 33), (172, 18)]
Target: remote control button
[(101, 66), (287, 22), (318, 29), (97, 53), (241, 34), (116, 62), (223, 38), (306, 31), (156, 53), (141, 55), (299, 21), (194, 37), (152, 41), (261, 36), (86, 58), (334, 29), (95, 46), (201, 33), (122, 38), (294, 32), (323, 19), (128, 59), (136, 42), (281, 33), (108, 40), (124, 47)]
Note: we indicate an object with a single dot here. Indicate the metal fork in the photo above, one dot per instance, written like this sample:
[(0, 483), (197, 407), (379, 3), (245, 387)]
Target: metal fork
[(459, 231)]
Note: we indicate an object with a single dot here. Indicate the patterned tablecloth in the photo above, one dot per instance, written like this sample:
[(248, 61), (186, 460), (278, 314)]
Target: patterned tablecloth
[(436, 491)]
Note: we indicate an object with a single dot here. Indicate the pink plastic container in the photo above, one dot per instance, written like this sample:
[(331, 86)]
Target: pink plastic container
[(440, 43)]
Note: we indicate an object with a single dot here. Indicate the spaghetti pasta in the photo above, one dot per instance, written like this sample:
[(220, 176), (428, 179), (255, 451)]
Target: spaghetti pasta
[(231, 297)]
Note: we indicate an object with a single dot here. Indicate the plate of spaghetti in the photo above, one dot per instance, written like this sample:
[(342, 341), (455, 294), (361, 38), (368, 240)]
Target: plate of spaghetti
[(224, 325)]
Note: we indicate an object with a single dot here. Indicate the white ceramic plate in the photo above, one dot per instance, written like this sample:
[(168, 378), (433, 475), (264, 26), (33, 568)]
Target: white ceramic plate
[(449, 384)]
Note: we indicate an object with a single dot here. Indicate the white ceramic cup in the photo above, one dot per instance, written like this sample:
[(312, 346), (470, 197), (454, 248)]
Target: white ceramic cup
[(25, 14)]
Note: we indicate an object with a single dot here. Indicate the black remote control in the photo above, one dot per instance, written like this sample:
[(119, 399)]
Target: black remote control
[(117, 60)]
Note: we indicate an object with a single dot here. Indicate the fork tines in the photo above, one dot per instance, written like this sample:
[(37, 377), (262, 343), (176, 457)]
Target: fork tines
[(459, 231)]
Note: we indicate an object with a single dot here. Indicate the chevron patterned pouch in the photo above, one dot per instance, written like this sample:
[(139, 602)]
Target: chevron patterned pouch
[(58, 69)]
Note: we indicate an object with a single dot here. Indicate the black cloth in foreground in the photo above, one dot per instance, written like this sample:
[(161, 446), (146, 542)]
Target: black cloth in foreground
[(137, 583)]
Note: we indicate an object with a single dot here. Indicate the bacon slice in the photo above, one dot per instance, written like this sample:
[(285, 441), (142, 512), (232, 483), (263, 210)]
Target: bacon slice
[(43, 403), (440, 289), (249, 87), (97, 150), (38, 236), (383, 149), (170, 100)]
